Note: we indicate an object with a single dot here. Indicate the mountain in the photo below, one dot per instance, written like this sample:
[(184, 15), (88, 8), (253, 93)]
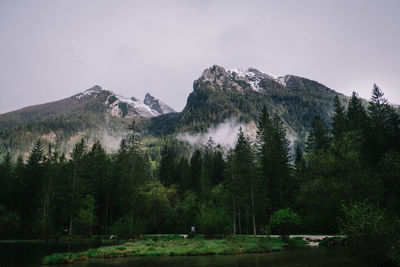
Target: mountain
[(122, 107), (95, 113), (157, 105), (218, 95)]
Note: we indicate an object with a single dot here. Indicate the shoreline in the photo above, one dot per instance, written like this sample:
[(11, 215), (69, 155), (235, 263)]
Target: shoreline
[(196, 246)]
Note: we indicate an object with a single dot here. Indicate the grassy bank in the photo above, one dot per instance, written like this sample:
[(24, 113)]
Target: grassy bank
[(175, 247)]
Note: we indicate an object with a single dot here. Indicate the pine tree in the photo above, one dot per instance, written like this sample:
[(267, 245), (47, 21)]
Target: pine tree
[(299, 161), (167, 170), (47, 192), (339, 119), (244, 175), (99, 177), (357, 119), (384, 124), (34, 181), (36, 156), (77, 185), (232, 186), (196, 170), (214, 162), (183, 174), (274, 162), (132, 141), (318, 138), (6, 180)]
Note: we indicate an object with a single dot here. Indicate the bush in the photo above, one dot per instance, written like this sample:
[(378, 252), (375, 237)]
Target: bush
[(9, 224), (284, 222), (213, 221), (371, 230), (127, 227)]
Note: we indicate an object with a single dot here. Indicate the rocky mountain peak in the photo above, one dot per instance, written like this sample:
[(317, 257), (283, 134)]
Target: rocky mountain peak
[(148, 98), (213, 73), (216, 77), (119, 106), (157, 105), (93, 91), (96, 88)]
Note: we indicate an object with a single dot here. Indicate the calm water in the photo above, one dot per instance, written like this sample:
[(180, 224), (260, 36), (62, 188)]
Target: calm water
[(18, 254)]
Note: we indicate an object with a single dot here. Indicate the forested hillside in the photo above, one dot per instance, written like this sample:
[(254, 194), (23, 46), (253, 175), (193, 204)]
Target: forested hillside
[(218, 95), (95, 115)]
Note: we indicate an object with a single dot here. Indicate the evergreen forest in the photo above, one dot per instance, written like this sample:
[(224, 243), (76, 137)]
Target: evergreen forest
[(344, 180)]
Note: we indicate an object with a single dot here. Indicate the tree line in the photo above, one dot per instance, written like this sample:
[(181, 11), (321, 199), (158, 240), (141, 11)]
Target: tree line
[(354, 158)]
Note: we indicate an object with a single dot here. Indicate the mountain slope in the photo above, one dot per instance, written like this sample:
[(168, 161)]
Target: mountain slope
[(221, 94), (218, 95), (95, 114)]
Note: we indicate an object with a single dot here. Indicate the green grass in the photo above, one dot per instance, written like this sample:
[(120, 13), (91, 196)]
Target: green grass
[(151, 246)]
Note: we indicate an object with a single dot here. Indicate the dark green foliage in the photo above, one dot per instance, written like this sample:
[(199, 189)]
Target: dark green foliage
[(319, 135), (242, 183), (356, 115), (127, 227), (186, 211), (214, 162), (196, 170), (274, 161), (390, 176), (168, 168), (165, 188), (284, 222), (360, 163), (214, 221), (159, 202), (339, 123), (9, 224), (370, 229), (384, 126), (299, 160)]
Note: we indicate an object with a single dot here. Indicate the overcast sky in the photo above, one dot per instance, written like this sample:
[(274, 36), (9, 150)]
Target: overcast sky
[(53, 49)]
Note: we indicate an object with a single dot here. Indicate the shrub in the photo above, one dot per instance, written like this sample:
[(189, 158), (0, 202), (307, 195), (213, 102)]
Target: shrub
[(284, 222), (213, 221), (370, 229), (127, 227), (9, 224)]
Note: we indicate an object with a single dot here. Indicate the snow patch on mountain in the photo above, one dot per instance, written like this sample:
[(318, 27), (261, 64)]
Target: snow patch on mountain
[(130, 107), (123, 107), (282, 80), (94, 90), (157, 105), (253, 77)]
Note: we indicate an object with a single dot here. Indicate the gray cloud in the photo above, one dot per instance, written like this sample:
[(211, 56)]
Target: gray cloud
[(54, 49), (224, 134)]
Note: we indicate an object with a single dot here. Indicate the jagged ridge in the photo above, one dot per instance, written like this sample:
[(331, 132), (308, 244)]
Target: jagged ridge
[(122, 107), (218, 94)]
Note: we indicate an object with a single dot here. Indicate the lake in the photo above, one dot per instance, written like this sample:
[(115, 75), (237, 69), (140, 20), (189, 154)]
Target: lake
[(29, 255)]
